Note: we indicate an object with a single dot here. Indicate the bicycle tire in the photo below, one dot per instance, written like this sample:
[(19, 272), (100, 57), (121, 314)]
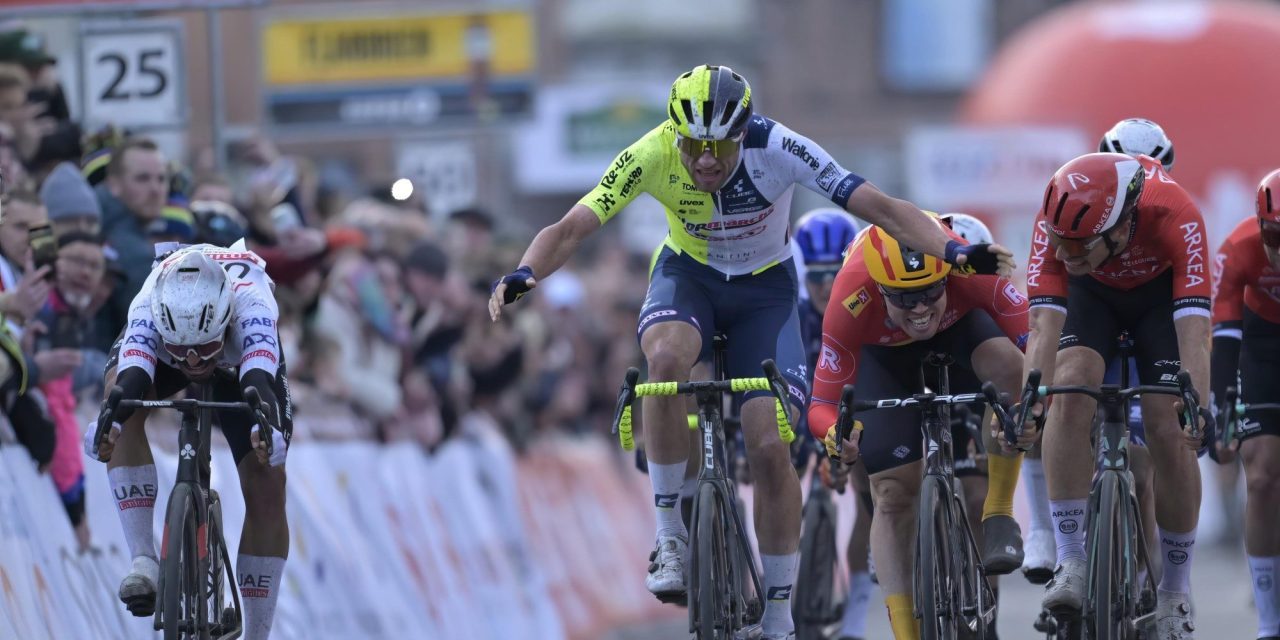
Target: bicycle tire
[(712, 614), (974, 591), (934, 593), (747, 606), (185, 613), (814, 603), (1109, 604), (222, 614)]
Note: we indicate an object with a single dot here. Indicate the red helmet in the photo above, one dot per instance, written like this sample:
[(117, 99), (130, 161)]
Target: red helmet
[(1092, 194), (1268, 208)]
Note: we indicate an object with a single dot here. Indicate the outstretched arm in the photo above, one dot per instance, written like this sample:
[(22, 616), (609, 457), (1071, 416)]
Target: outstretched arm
[(550, 249)]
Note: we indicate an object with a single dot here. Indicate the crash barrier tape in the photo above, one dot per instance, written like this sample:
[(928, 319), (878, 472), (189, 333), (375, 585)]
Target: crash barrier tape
[(385, 540)]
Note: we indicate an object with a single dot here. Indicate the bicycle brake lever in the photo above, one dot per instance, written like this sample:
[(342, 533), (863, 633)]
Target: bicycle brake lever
[(106, 414), (1012, 431), (254, 400)]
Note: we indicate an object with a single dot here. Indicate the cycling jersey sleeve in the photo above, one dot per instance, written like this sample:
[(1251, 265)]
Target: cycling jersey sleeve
[(1007, 306), (844, 329), (253, 325), (1186, 247), (1046, 277), (140, 344), (1228, 313), (810, 165), (1228, 291), (625, 178)]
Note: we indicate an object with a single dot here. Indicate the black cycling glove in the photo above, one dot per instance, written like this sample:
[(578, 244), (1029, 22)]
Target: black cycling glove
[(979, 258), (517, 284)]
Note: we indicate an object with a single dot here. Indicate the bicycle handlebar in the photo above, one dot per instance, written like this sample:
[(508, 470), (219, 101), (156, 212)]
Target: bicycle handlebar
[(772, 382), (1185, 391), (115, 401), (1233, 410)]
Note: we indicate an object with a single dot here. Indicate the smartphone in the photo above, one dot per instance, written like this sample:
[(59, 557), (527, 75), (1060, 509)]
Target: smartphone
[(44, 248)]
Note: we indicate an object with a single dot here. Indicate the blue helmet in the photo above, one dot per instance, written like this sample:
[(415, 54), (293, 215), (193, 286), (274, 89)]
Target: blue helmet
[(824, 234)]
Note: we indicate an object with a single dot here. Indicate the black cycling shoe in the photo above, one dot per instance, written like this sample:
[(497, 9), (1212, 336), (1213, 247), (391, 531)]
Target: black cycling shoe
[(1002, 551)]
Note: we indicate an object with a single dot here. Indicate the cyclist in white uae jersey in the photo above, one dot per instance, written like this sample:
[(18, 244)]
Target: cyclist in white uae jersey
[(202, 309)]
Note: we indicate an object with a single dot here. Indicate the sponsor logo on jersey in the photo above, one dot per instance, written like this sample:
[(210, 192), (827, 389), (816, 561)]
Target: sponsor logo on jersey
[(1039, 252), (611, 177), (799, 150), (827, 178), (260, 353), (139, 353), (1193, 238), (137, 323), (1012, 294), (258, 338), (605, 201), (857, 303), (633, 179), (144, 340), (257, 322)]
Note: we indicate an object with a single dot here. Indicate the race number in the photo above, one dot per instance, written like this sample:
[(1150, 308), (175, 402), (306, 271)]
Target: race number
[(133, 73)]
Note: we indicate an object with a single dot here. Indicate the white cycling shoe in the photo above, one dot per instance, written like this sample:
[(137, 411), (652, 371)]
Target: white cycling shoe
[(1041, 552), (1173, 616), (666, 569), (1065, 593), (138, 589)]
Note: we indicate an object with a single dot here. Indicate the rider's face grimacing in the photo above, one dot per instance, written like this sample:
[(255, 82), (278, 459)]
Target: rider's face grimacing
[(1080, 263), (708, 171), (920, 322)]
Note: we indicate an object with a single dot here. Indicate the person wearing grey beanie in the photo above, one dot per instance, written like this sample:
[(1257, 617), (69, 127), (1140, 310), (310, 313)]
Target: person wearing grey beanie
[(71, 202)]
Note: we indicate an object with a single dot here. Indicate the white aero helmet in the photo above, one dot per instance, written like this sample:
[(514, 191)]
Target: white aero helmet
[(1139, 136), (191, 300), (970, 228)]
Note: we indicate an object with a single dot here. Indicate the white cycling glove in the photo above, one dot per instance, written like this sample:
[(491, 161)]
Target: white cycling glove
[(91, 447), (279, 448)]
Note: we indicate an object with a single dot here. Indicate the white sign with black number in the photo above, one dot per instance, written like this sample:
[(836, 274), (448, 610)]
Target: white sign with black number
[(133, 73), (444, 171)]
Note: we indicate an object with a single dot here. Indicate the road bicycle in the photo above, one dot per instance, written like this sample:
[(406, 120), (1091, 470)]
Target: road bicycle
[(197, 594), (950, 590), (1117, 606), (725, 596)]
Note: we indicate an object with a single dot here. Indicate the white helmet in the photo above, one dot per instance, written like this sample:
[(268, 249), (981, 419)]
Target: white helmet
[(1135, 136), (191, 300), (970, 228)]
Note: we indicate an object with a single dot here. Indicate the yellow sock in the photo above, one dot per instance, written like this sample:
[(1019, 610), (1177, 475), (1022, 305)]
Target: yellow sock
[(1002, 481), (902, 618)]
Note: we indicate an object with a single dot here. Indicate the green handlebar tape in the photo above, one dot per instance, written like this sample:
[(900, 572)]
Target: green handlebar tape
[(784, 425), (624, 430), (656, 389), (749, 384)]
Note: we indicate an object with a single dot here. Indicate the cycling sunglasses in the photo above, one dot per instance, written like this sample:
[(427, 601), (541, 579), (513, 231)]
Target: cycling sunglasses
[(203, 351), (1271, 236), (718, 148), (821, 274), (1074, 247), (907, 299)]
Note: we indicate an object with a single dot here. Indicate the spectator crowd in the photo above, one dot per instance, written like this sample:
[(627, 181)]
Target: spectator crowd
[(382, 306)]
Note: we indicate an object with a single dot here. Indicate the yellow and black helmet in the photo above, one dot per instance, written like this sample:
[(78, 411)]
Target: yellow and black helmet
[(710, 103), (892, 264)]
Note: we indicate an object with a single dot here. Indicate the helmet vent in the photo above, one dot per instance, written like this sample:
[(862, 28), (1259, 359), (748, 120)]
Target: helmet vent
[(1075, 224), (688, 110), (1155, 153), (204, 318), (728, 113), (169, 318), (1062, 202), (1115, 144), (188, 270), (707, 107), (1269, 207)]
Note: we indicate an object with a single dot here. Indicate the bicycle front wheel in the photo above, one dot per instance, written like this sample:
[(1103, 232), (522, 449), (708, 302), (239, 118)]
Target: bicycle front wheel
[(1109, 563), (184, 615), (712, 588), (814, 602), (936, 584)]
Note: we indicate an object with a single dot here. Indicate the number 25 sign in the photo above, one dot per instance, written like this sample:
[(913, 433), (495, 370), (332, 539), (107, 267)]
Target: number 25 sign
[(133, 73)]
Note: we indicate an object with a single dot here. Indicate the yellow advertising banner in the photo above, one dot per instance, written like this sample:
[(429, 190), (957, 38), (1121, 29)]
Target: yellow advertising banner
[(438, 46)]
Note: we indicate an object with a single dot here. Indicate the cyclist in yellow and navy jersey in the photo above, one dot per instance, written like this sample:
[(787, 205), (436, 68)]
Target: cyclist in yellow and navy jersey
[(725, 176)]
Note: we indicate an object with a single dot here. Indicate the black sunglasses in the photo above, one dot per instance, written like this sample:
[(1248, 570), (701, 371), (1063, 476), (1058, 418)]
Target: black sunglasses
[(909, 298), (821, 274)]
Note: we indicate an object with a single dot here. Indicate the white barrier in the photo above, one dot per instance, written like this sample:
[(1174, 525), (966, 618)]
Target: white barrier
[(386, 542)]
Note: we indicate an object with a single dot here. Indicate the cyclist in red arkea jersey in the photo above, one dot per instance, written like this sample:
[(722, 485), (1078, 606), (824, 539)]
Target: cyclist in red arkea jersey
[(890, 307), (1118, 245), (1246, 313)]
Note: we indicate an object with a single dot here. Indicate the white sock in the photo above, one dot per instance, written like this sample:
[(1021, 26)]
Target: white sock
[(854, 623), (1068, 527), (779, 578), (1176, 549), (1037, 494), (666, 480), (1266, 595), (259, 581), (134, 489)]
